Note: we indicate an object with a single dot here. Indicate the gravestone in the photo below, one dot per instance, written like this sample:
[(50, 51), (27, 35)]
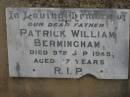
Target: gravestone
[(68, 42)]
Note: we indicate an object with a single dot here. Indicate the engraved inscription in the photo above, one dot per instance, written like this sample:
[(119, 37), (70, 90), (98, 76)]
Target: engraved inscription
[(68, 42)]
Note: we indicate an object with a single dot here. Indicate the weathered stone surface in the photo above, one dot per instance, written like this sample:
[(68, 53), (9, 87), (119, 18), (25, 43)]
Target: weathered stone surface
[(68, 43), (87, 86)]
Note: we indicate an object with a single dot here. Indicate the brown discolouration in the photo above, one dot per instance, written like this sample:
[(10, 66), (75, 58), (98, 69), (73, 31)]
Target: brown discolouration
[(84, 87)]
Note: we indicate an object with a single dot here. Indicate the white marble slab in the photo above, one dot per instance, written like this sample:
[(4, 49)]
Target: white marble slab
[(68, 42)]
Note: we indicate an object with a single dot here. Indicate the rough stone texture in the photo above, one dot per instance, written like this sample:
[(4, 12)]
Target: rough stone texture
[(87, 86)]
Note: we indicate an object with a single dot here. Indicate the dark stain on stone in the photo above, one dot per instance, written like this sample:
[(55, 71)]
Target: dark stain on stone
[(34, 70), (18, 68), (116, 34), (104, 48), (113, 56)]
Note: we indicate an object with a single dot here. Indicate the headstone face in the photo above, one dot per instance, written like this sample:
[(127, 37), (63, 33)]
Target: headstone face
[(68, 42)]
